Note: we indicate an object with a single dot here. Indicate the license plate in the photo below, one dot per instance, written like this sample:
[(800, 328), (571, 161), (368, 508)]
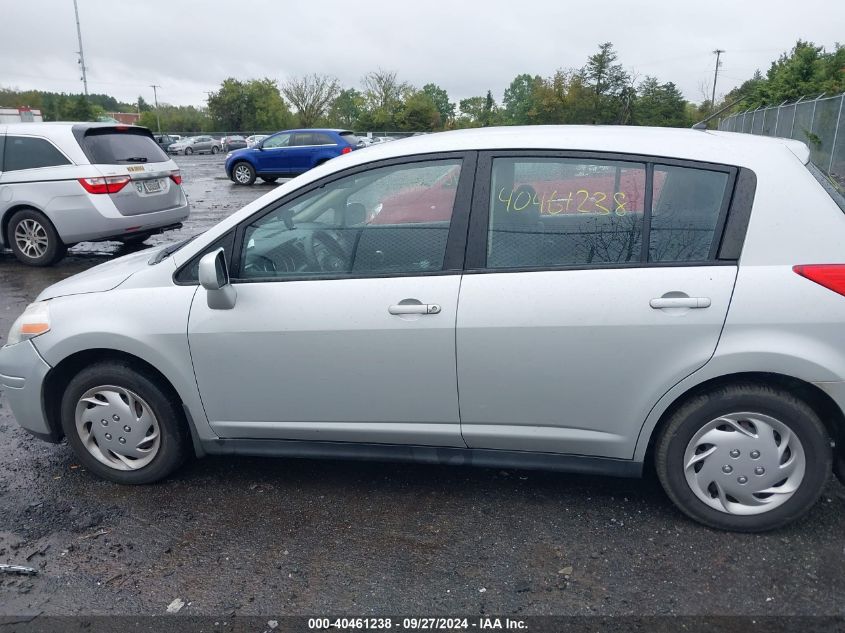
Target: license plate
[(152, 186)]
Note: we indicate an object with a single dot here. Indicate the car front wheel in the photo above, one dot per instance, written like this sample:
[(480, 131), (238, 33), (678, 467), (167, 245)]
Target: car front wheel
[(33, 239), (243, 173), (123, 424), (214, 149), (745, 457), (188, 150)]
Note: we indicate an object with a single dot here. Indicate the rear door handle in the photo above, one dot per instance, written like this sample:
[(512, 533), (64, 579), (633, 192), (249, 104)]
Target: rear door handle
[(679, 302), (414, 308)]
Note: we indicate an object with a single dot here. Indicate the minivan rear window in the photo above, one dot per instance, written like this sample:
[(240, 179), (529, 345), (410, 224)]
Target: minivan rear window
[(834, 186), (110, 146)]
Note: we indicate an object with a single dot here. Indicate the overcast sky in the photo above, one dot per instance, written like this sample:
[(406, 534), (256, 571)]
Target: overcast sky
[(189, 46)]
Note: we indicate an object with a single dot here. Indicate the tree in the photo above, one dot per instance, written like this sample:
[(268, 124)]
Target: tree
[(440, 98), (660, 104), (419, 114), (311, 96), (251, 105), (489, 111), (346, 108), (471, 109), (518, 102), (143, 106), (608, 81), (82, 109), (384, 96)]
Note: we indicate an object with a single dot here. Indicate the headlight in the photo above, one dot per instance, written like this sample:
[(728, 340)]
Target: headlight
[(34, 321)]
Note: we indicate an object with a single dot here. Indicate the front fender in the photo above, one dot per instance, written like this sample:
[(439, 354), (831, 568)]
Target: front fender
[(149, 324)]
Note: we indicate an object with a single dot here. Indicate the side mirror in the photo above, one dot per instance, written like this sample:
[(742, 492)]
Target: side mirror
[(214, 277)]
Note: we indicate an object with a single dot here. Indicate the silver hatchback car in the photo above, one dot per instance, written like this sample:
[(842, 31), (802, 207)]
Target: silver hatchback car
[(584, 299), (63, 183)]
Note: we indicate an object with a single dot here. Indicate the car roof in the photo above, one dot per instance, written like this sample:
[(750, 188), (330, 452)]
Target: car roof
[(728, 148), (314, 129)]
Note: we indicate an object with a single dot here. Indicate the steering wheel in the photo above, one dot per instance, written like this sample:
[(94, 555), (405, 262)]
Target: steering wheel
[(319, 242)]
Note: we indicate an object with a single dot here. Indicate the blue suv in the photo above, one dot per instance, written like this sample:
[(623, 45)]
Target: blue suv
[(288, 153)]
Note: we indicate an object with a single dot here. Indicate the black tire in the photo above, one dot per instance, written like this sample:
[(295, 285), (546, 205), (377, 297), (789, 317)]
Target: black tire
[(175, 440), (269, 179), (248, 169), (214, 149), (55, 248), (691, 416), (188, 151)]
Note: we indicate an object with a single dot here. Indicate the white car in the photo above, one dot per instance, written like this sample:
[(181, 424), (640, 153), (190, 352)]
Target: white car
[(255, 139), (587, 299)]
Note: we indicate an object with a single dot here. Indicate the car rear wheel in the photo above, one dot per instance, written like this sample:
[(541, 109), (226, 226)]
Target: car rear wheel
[(243, 173), (745, 457), (122, 424), (188, 150), (33, 239)]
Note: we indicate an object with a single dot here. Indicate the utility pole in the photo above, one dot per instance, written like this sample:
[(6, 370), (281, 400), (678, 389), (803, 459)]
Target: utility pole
[(155, 98), (718, 53), (81, 54)]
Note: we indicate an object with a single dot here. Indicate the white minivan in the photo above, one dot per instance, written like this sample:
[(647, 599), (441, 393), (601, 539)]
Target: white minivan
[(63, 183)]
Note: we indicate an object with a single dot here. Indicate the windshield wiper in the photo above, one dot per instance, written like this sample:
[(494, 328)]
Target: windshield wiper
[(132, 159), (167, 251)]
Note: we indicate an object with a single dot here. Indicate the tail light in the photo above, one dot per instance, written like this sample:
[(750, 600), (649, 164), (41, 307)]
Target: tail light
[(110, 184), (831, 276), (176, 176), (346, 150)]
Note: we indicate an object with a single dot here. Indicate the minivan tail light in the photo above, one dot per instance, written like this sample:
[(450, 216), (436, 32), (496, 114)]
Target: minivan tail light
[(176, 176), (110, 184), (346, 150), (831, 276)]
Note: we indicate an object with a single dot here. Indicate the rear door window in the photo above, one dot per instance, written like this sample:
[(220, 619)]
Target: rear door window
[(565, 212), (27, 152), (303, 138), (323, 139), (109, 146)]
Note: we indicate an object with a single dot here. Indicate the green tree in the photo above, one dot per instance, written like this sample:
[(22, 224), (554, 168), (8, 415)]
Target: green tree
[(419, 114), (82, 110), (660, 104), (518, 103), (608, 81), (440, 98), (346, 108), (384, 97), (143, 106), (255, 104)]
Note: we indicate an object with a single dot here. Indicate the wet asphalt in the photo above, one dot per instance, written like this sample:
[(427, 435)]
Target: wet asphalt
[(249, 536)]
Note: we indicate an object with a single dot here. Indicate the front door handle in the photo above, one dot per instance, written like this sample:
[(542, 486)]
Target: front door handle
[(414, 308), (679, 302)]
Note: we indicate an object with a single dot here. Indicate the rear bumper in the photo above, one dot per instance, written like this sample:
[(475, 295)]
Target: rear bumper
[(22, 374), (92, 224)]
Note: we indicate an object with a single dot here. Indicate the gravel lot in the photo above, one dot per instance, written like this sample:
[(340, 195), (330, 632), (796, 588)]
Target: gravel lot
[(261, 536)]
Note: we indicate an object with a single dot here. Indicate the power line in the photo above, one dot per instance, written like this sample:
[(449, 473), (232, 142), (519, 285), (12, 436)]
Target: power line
[(155, 98), (81, 53), (718, 53)]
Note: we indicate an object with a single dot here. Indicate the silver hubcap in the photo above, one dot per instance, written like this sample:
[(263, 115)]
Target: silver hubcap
[(242, 173), (117, 427), (744, 463), (31, 238)]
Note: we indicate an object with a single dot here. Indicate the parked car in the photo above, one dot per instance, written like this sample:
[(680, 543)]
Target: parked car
[(695, 324), (230, 143), (255, 139), (165, 140), (195, 145), (63, 183), (288, 153)]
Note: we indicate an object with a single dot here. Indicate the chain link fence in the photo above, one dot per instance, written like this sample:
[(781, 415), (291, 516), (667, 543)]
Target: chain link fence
[(819, 122)]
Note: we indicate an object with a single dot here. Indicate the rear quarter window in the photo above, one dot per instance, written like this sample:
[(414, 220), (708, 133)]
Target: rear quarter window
[(834, 186), (109, 146), (26, 152)]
